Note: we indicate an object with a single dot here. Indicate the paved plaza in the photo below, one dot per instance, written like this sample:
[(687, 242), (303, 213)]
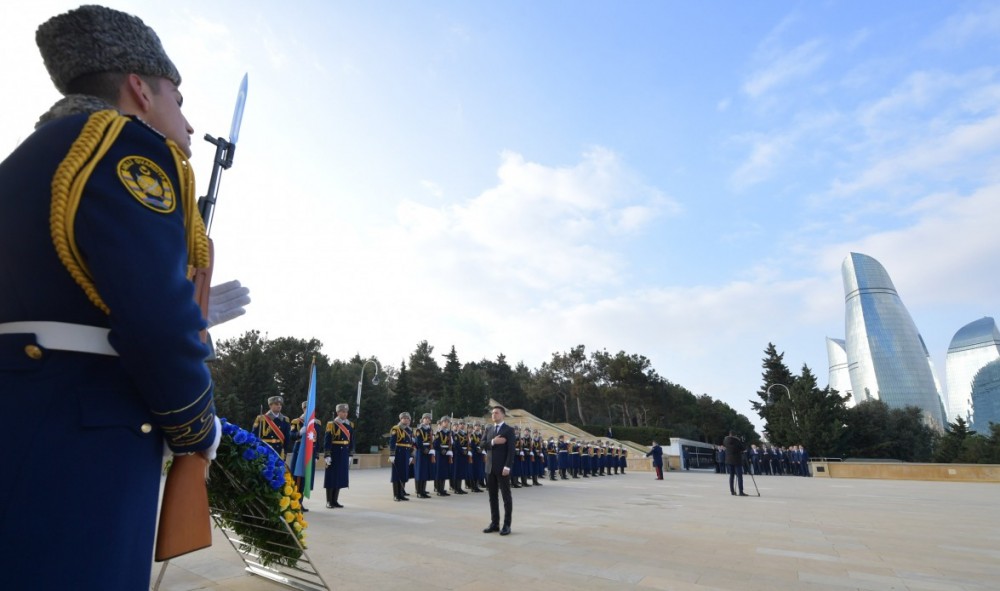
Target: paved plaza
[(684, 533)]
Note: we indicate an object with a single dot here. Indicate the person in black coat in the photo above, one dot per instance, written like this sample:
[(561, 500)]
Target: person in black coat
[(734, 461), (499, 445)]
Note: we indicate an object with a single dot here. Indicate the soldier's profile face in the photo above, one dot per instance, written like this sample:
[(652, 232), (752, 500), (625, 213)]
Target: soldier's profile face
[(166, 117)]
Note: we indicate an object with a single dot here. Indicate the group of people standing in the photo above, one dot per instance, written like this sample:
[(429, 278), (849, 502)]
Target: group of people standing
[(453, 457), (285, 437), (770, 460)]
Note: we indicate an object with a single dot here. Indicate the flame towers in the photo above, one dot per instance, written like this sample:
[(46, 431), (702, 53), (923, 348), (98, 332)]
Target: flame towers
[(886, 356)]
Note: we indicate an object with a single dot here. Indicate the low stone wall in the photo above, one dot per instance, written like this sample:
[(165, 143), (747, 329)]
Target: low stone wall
[(907, 471)]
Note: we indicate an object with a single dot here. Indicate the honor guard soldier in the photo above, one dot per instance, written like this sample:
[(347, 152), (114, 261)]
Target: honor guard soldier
[(538, 448), (98, 325), (622, 457), (423, 453), (551, 457), (564, 464), (400, 446), (443, 443), (461, 470), (338, 447), (478, 474), (272, 427), (574, 457)]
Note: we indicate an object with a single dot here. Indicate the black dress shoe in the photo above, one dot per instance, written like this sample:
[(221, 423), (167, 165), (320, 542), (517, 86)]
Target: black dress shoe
[(492, 528), (505, 530), (338, 506), (744, 495), (329, 505), (732, 493)]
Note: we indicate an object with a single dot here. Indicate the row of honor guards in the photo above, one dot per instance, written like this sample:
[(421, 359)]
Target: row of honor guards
[(452, 456), (285, 437)]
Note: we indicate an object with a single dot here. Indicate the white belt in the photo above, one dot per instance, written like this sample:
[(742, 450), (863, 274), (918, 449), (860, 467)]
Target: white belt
[(64, 336)]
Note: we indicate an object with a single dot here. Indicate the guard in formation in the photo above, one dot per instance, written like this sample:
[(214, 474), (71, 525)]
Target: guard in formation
[(338, 446)]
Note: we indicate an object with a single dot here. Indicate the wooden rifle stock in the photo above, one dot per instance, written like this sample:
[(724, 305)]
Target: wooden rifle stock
[(185, 524)]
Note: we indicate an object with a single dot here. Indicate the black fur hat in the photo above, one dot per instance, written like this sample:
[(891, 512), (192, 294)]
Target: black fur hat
[(94, 39)]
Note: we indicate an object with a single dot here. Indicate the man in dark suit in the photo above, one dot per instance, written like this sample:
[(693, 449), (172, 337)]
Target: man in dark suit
[(734, 461), (499, 445)]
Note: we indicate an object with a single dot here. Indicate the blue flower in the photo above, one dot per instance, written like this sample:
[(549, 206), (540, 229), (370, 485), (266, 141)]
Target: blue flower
[(249, 454), (228, 428), (268, 474), (263, 449), (277, 483), (241, 437)]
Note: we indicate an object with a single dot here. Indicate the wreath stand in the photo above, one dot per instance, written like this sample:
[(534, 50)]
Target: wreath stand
[(301, 574)]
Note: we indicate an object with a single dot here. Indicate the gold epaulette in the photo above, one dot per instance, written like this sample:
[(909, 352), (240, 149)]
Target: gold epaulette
[(96, 138)]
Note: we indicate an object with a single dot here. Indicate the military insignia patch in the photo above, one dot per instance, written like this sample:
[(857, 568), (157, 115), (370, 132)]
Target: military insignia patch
[(147, 183)]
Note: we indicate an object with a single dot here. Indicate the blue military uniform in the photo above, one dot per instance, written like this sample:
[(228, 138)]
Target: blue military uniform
[(445, 466), (423, 469), (400, 448), (338, 446), (117, 259), (275, 430)]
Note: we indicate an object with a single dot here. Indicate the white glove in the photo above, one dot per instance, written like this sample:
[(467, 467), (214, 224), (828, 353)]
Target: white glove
[(469, 454), (328, 461), (522, 454), (227, 301), (432, 452), (449, 454), (392, 459), (411, 461)]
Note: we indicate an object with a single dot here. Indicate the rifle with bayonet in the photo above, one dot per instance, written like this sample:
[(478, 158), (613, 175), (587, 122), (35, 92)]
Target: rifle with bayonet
[(185, 524)]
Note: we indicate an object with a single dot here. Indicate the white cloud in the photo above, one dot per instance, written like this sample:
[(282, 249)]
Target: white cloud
[(961, 29), (784, 66)]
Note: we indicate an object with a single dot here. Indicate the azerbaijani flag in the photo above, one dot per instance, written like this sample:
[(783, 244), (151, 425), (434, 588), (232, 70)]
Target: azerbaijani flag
[(304, 464)]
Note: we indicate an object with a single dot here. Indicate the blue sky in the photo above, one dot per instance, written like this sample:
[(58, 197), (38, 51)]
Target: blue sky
[(678, 180)]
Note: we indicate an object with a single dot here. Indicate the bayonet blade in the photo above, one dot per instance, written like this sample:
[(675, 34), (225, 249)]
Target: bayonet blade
[(241, 100)]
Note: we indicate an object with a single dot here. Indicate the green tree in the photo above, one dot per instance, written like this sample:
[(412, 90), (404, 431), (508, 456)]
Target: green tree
[(450, 400), (873, 430), (425, 376), (243, 375), (775, 404), (402, 398), (820, 415), (952, 446)]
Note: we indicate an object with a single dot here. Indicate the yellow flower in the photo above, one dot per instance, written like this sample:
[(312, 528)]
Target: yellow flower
[(289, 516), (283, 503), (297, 527), (288, 477), (295, 505), (296, 495), (288, 490)]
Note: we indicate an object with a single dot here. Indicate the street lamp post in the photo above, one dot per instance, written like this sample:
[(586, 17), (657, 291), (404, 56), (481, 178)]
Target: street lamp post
[(791, 402), (361, 378)]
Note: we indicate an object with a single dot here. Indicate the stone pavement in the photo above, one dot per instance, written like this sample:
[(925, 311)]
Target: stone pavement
[(684, 533)]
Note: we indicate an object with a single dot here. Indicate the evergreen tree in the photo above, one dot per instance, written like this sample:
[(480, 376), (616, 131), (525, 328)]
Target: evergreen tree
[(819, 413), (450, 401), (425, 376), (775, 406), (402, 398), (952, 445)]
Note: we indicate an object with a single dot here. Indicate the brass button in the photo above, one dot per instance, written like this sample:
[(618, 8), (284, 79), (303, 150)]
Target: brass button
[(146, 428), (33, 351)]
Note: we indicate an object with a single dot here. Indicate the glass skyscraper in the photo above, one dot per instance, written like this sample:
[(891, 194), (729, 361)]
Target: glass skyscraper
[(840, 379), (886, 356), (986, 397), (974, 345)]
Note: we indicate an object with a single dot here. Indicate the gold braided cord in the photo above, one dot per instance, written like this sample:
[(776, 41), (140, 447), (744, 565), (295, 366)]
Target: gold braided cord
[(67, 189), (96, 138), (197, 234)]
